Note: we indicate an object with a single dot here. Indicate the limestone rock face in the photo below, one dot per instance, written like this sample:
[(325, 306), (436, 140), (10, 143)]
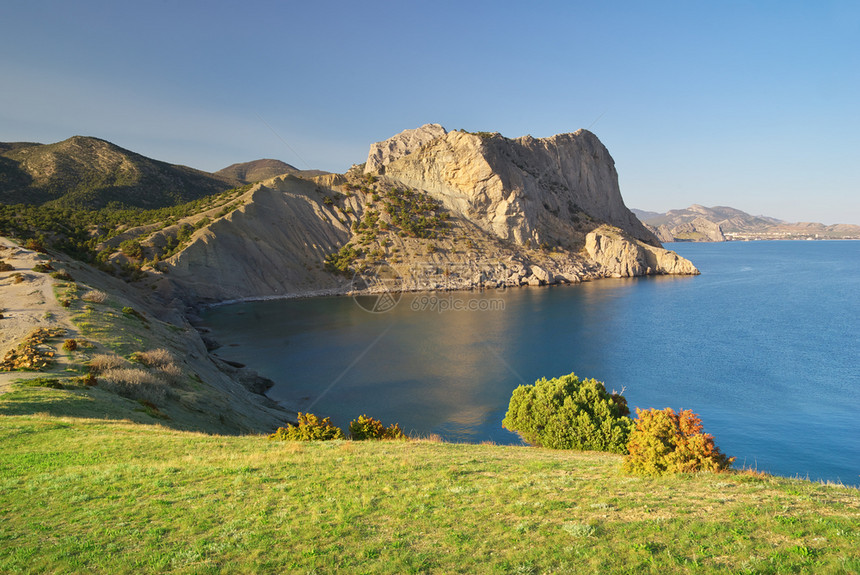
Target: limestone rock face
[(624, 257), (531, 191), (383, 153)]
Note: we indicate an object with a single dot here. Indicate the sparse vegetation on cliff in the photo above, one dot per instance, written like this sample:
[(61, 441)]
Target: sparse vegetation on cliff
[(391, 210), (341, 262)]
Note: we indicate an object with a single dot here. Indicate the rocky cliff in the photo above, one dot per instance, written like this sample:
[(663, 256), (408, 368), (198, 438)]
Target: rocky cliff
[(383, 153), (544, 191)]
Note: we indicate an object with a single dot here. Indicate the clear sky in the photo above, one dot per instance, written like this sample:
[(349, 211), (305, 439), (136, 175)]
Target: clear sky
[(753, 104)]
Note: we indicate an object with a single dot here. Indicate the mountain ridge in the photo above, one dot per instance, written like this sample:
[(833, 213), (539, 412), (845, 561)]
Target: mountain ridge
[(722, 223), (88, 172)]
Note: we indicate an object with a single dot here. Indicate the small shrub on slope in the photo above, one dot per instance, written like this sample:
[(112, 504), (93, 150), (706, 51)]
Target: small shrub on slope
[(667, 442), (569, 413), (309, 428), (153, 358), (368, 428), (103, 362), (94, 296), (134, 383)]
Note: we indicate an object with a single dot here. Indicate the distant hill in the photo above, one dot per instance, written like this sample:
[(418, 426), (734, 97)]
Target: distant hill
[(256, 171), (93, 173), (259, 170), (720, 223)]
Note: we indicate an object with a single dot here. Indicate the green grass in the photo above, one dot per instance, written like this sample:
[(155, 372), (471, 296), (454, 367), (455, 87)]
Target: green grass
[(88, 495)]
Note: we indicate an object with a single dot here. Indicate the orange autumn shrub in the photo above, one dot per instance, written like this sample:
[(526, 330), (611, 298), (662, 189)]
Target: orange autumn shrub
[(667, 442)]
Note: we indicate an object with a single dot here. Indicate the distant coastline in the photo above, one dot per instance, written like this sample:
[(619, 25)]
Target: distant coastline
[(722, 224)]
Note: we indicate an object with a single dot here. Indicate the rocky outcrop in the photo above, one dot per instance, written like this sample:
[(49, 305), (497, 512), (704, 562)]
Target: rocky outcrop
[(623, 257), (531, 191), (696, 230), (383, 153), (663, 233)]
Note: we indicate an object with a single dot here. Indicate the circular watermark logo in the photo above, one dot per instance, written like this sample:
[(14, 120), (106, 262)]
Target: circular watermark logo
[(377, 288)]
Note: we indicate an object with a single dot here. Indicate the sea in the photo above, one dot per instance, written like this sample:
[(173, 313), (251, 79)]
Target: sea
[(764, 345)]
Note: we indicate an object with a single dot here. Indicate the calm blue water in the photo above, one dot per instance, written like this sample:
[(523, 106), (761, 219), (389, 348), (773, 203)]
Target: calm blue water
[(764, 345)]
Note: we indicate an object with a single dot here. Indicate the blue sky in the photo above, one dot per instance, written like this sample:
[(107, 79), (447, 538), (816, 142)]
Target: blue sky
[(755, 105)]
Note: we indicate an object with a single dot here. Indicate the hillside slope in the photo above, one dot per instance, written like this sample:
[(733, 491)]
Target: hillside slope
[(93, 173), (114, 322)]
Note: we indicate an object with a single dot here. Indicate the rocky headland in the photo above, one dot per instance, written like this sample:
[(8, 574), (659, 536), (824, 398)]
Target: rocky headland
[(445, 210), (437, 210)]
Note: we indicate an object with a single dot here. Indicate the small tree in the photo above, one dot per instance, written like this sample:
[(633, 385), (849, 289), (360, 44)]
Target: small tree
[(131, 249), (569, 413), (308, 428), (667, 442), (368, 428)]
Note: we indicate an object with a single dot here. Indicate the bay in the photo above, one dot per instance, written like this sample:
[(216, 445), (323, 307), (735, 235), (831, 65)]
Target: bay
[(764, 345)]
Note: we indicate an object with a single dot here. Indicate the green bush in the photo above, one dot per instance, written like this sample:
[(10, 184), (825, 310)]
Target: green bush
[(569, 413), (6, 267), (127, 310), (308, 428), (43, 268), (667, 442), (368, 428), (62, 275), (35, 244), (131, 249), (341, 261)]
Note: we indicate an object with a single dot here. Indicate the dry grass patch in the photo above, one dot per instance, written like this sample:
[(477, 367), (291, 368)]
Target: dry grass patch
[(94, 296), (154, 358), (134, 383), (104, 362)]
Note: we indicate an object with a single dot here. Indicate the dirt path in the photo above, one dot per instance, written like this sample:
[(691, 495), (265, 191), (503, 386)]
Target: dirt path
[(26, 303)]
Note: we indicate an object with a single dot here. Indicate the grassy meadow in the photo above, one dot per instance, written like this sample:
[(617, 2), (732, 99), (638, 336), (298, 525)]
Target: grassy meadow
[(85, 494)]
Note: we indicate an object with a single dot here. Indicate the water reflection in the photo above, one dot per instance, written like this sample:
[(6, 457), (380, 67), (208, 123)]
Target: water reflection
[(740, 348)]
